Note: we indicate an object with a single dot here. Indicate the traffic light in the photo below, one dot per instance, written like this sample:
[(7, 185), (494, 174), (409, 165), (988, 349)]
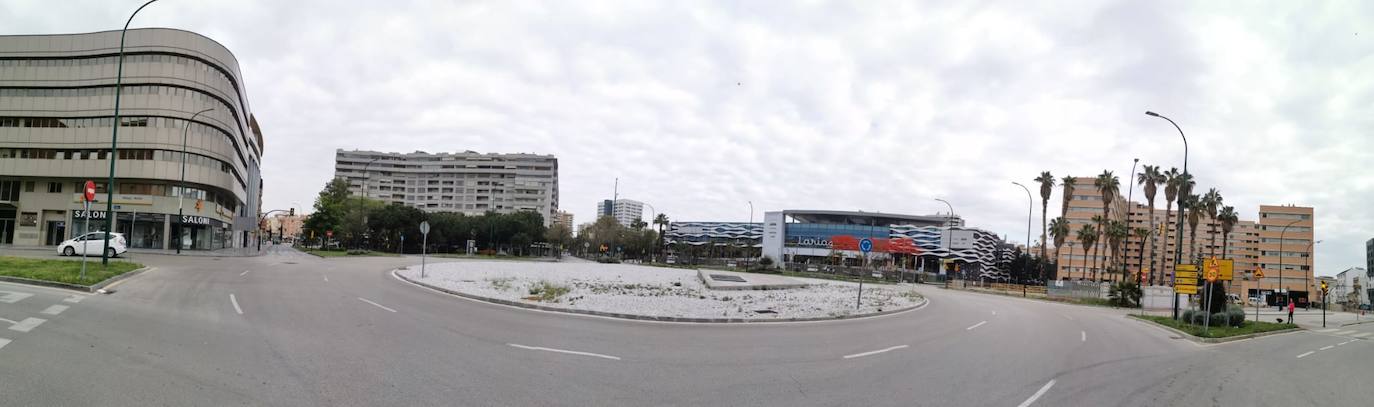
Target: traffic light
[(293, 212), (1324, 287)]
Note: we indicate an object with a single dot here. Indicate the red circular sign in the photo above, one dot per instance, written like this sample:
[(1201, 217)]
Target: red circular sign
[(329, 233), (90, 190)]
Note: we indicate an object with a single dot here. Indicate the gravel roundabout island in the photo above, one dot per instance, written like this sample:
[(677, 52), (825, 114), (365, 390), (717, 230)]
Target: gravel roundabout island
[(654, 292)]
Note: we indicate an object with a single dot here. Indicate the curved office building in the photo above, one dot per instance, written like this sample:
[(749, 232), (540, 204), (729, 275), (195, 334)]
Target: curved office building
[(57, 98)]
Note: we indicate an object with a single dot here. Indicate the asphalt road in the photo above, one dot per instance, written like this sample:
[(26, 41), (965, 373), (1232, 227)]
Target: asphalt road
[(292, 329)]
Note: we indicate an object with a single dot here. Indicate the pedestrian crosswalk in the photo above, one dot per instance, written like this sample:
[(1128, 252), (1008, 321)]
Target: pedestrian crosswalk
[(18, 304), (1345, 332)]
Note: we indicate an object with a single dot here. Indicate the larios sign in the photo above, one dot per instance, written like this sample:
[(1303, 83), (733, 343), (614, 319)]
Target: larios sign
[(195, 220)]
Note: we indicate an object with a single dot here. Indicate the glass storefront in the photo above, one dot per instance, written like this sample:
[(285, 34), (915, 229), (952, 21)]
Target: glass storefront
[(200, 233), (145, 230), (142, 230)]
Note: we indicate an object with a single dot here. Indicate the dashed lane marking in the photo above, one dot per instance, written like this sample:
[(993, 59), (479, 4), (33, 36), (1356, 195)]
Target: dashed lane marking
[(1085, 335), (875, 352), (1327, 347), (54, 310), (570, 352), (1037, 394), (235, 301), (28, 324), (244, 272), (1304, 354), (1343, 343), (376, 304), (11, 297), (975, 326), (4, 342), (73, 299)]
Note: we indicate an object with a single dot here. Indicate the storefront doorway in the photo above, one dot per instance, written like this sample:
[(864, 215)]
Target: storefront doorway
[(57, 232)]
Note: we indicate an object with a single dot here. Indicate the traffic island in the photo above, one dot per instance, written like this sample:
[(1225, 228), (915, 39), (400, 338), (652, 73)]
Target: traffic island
[(65, 273), (1216, 334), (654, 293)]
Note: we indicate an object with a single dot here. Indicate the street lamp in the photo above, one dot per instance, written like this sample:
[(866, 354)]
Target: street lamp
[(1130, 190), (653, 213), (181, 197), (367, 175), (750, 228), (1178, 235), (1283, 232), (114, 142), (1308, 264), (1029, 211)]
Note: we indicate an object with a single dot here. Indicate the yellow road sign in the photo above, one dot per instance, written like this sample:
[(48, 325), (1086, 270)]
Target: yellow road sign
[(1185, 289), (1186, 267), (1186, 274), (1212, 275), (1225, 268), (1259, 273)]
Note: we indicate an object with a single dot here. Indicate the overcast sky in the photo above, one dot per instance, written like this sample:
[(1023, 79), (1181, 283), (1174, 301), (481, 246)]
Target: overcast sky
[(699, 107)]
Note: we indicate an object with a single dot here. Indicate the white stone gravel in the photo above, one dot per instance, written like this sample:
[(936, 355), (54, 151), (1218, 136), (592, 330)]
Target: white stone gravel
[(656, 291)]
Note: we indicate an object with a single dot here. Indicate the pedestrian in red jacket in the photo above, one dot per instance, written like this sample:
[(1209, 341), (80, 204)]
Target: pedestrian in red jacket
[(1290, 311)]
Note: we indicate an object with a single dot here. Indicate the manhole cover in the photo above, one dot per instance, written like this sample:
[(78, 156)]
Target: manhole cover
[(727, 277)]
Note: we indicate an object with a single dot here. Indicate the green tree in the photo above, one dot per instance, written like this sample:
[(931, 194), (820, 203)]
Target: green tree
[(1190, 202), (1088, 236), (1046, 181), (329, 208), (1228, 219), (1067, 184), (1149, 181), (1116, 233), (1211, 202), (1101, 229), (1059, 231), (1171, 180), (1109, 186)]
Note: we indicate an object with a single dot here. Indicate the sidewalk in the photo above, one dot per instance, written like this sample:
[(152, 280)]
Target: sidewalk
[(46, 251)]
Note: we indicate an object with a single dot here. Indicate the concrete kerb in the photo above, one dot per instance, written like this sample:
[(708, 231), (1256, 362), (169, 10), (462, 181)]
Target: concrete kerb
[(75, 287), (1199, 339), (396, 273), (1371, 320)]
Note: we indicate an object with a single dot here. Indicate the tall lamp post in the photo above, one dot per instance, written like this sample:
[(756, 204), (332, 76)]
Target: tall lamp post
[(1282, 233), (653, 213), (181, 196), (749, 261), (1029, 212), (1130, 190), (1178, 234), (114, 142), (1308, 264), (949, 222)]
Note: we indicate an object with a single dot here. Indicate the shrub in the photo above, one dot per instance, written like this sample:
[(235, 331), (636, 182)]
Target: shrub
[(766, 261), (1236, 316), (1124, 294), (356, 252), (1187, 316), (1219, 319), (1196, 317), (607, 259)]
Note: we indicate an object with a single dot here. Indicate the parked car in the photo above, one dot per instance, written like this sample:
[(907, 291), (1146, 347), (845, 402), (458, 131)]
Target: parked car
[(92, 243)]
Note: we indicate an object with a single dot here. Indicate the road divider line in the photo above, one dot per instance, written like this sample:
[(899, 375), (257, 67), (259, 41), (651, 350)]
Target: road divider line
[(373, 303), (874, 352), (1326, 347), (570, 352), (1085, 335), (244, 272), (1037, 394), (235, 301), (10, 321), (28, 324), (54, 310), (975, 326), (1342, 343), (1304, 354)]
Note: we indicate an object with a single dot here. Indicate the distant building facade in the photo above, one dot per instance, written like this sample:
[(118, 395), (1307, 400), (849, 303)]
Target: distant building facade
[(468, 182), (564, 218), (625, 211)]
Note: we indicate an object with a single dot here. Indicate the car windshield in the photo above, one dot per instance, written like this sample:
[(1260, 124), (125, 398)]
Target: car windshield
[(686, 203)]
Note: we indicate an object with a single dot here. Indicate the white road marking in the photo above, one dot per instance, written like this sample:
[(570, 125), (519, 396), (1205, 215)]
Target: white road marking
[(378, 305), (73, 299), (570, 352), (875, 352), (4, 342), (11, 297), (994, 313), (1362, 334), (1342, 343), (244, 272), (235, 301), (1326, 347), (8, 321), (54, 310), (1085, 335), (1346, 332), (28, 324), (975, 326), (1305, 354), (1037, 394), (1328, 330), (1066, 317)]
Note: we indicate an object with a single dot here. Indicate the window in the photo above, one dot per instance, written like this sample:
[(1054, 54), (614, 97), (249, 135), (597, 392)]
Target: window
[(55, 187), (28, 186), (9, 191)]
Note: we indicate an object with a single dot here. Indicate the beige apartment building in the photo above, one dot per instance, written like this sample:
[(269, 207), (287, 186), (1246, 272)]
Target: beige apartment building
[(1251, 244)]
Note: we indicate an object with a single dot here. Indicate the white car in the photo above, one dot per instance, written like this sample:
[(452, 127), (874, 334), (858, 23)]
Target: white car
[(92, 243)]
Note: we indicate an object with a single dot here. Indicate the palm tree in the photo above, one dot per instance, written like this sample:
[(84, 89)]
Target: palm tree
[(1171, 178), (662, 221), (1142, 234), (1116, 233), (1210, 203), (1109, 186), (1059, 231), (1149, 180), (1068, 183), (1046, 188), (1228, 219), (1190, 202), (1098, 220), (1087, 235)]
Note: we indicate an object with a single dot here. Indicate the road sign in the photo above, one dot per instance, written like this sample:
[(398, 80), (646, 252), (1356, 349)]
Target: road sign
[(424, 227), (1259, 273), (1225, 268), (1212, 275), (1186, 274), (329, 234), (866, 245), (1185, 289), (90, 191)]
